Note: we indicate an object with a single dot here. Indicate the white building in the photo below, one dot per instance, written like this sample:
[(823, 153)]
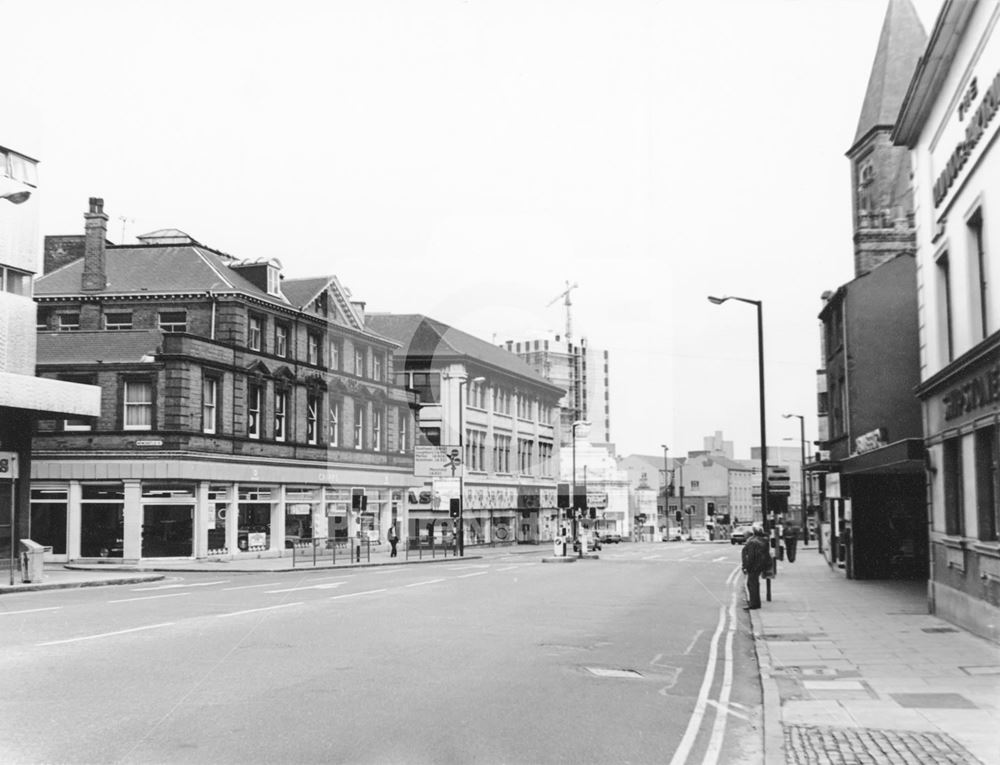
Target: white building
[(950, 120), (606, 484)]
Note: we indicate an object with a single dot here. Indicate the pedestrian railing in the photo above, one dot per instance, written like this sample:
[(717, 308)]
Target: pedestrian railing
[(321, 550)]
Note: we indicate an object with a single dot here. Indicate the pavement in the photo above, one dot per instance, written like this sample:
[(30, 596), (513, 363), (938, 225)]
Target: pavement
[(852, 671), (858, 671)]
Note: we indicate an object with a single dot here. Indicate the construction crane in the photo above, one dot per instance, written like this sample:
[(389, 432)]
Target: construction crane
[(569, 308)]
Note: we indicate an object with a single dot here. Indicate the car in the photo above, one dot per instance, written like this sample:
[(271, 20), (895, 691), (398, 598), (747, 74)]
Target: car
[(740, 534), (593, 543), (611, 538)]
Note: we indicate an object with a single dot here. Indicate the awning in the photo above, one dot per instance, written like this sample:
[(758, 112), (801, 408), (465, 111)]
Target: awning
[(906, 456)]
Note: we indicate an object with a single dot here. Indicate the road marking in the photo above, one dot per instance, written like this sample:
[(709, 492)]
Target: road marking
[(695, 640), (250, 586), (429, 581), (477, 573), (256, 610), (471, 565), (151, 597), (326, 586), (651, 557), (29, 610), (175, 586), (728, 709), (716, 560), (508, 568), (107, 634), (355, 594), (694, 723), (719, 729)]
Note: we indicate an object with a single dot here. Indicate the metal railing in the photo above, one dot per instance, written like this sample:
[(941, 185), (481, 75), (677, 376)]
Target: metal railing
[(319, 550)]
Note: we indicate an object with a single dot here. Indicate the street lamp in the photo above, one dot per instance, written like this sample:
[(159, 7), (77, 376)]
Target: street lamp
[(802, 475), (666, 488), (16, 197), (460, 521), (576, 424), (763, 417)]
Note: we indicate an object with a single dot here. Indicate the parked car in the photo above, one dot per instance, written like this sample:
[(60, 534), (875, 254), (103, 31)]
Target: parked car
[(740, 534), (611, 538)]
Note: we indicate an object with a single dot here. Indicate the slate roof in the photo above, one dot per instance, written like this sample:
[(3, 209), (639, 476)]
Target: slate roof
[(125, 347), (146, 270), (301, 292), (422, 336), (900, 45)]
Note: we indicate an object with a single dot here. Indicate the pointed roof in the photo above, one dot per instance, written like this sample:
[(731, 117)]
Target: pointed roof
[(900, 46)]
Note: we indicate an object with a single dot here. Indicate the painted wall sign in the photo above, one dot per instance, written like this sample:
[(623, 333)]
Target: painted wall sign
[(869, 441), (974, 131), (975, 393)]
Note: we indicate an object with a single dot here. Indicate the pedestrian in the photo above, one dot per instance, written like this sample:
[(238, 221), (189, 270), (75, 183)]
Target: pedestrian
[(791, 541), (756, 561), (393, 541)]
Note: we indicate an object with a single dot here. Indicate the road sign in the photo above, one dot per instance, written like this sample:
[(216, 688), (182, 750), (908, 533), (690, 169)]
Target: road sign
[(8, 465)]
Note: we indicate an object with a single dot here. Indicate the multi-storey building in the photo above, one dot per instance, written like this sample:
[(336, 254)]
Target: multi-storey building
[(581, 371), (23, 397), (489, 408), (241, 412), (872, 520), (599, 476), (949, 122)]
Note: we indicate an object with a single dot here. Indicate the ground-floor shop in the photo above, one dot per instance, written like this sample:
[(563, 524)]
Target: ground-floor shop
[(962, 412), (200, 509)]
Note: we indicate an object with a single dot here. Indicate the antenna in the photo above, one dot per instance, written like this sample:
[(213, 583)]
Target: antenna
[(568, 303), (123, 219)]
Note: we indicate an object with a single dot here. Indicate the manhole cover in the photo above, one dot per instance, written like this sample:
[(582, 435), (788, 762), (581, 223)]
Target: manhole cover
[(603, 672)]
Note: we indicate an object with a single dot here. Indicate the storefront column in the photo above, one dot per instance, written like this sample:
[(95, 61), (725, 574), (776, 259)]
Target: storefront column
[(73, 520), (204, 516), (233, 520), (278, 519), (132, 527)]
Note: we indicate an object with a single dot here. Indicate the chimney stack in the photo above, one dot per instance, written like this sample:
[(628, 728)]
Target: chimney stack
[(95, 275)]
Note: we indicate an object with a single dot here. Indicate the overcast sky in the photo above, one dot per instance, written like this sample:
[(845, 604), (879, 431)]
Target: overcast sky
[(465, 159)]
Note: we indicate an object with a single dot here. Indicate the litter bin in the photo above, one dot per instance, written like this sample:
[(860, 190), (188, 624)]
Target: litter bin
[(32, 560)]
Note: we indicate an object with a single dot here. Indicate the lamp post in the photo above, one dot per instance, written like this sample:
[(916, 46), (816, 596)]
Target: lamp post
[(802, 475), (460, 521), (763, 416), (16, 197), (576, 424), (666, 489)]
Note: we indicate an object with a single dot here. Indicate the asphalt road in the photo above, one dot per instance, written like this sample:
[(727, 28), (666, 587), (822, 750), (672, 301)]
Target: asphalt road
[(641, 656)]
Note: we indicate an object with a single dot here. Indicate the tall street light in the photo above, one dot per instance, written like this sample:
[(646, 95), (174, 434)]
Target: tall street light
[(576, 424), (666, 488), (763, 416), (16, 197), (802, 474), (460, 521)]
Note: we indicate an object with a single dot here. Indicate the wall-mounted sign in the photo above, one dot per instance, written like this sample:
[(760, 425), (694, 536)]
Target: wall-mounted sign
[(979, 121), (149, 442), (597, 499), (866, 442), (299, 508), (975, 393), (8, 465)]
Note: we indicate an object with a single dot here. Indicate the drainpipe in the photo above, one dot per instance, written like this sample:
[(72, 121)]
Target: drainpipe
[(211, 331)]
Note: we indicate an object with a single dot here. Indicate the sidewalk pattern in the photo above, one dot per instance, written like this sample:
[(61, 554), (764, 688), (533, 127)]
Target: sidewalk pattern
[(859, 672)]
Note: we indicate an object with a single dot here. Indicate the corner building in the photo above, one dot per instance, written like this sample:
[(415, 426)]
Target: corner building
[(950, 121), (242, 413)]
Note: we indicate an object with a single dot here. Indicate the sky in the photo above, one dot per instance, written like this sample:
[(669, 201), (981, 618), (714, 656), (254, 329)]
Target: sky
[(466, 159)]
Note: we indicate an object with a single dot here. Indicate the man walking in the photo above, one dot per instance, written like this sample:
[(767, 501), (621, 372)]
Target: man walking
[(791, 540), (393, 541), (756, 560)]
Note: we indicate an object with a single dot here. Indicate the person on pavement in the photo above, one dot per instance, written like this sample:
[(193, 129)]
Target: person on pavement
[(393, 541), (791, 535), (756, 560)]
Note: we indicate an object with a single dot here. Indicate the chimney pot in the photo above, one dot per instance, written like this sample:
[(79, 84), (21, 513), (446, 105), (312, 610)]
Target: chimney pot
[(95, 275)]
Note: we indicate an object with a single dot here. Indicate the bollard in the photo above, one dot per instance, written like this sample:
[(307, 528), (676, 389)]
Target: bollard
[(357, 554)]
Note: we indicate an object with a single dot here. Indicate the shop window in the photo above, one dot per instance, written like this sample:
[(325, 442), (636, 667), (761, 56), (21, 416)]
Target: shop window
[(219, 499), (102, 521), (138, 404), (47, 522), (987, 488), (954, 524)]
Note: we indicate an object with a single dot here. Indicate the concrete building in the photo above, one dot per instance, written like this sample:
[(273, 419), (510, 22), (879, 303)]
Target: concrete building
[(871, 521), (242, 413), (492, 410), (949, 122), (648, 473), (606, 486), (24, 398), (581, 371)]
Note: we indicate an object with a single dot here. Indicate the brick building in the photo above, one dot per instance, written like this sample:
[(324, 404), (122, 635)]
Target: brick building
[(242, 412)]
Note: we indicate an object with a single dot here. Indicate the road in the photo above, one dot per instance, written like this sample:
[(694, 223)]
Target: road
[(641, 656)]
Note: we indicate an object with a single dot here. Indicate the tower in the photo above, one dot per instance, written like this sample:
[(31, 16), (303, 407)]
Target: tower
[(882, 197)]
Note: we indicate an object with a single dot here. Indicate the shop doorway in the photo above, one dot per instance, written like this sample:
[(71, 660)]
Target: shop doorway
[(167, 531)]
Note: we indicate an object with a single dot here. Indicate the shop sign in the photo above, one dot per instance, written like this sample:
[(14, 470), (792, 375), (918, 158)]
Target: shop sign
[(528, 498), (256, 539), (597, 499), (299, 508), (869, 441), (8, 465), (149, 442), (975, 393), (974, 132), (832, 485)]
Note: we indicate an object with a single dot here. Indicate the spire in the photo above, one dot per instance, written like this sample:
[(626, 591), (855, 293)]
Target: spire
[(900, 46)]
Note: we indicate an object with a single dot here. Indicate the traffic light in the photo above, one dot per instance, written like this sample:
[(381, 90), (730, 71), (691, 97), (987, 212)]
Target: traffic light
[(359, 500), (593, 513), (678, 516), (711, 508), (670, 490), (562, 499), (454, 507), (580, 498)]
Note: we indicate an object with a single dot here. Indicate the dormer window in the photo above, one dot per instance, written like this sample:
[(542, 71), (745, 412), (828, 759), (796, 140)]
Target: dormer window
[(273, 280)]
